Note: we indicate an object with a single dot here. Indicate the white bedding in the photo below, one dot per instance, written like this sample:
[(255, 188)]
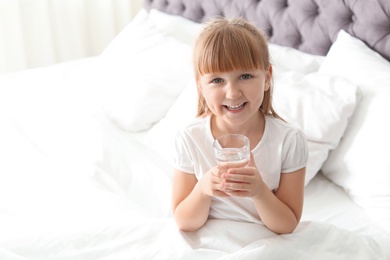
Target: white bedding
[(74, 184)]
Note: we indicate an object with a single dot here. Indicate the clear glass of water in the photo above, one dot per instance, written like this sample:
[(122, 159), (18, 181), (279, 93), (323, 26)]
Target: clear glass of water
[(232, 151)]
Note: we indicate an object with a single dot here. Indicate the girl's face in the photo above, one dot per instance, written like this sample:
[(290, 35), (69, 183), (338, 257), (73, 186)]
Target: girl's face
[(235, 97)]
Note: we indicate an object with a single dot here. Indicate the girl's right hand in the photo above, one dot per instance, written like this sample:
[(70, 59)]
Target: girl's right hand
[(210, 183)]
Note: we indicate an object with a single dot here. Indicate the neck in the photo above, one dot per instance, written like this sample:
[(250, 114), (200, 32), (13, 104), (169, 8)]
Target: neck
[(253, 130)]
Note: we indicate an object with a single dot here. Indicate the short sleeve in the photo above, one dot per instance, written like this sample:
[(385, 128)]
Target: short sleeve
[(295, 152), (182, 156)]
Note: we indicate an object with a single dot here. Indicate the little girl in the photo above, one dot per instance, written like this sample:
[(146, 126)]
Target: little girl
[(234, 80)]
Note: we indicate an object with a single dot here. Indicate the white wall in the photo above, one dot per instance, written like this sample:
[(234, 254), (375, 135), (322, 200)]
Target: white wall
[(36, 33)]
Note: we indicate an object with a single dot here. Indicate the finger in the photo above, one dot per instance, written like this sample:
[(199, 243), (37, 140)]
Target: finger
[(217, 179), (218, 172), (221, 194), (235, 193), (244, 171), (235, 177), (228, 187)]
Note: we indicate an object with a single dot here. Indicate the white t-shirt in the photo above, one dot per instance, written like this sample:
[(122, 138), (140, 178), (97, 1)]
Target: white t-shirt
[(282, 149)]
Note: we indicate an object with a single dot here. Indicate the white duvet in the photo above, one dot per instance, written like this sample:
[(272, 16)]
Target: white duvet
[(51, 210), (75, 186)]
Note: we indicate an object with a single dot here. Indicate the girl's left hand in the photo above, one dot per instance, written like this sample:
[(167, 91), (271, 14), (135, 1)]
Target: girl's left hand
[(243, 182)]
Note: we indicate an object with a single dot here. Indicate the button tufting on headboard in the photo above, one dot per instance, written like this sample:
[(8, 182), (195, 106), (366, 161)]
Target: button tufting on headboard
[(308, 25), (353, 18)]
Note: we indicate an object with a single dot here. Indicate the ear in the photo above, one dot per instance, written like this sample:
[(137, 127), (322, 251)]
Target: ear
[(268, 78)]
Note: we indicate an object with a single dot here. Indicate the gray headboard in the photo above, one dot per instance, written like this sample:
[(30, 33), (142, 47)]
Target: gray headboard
[(308, 25)]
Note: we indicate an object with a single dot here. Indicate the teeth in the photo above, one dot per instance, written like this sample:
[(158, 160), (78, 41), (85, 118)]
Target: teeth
[(235, 107)]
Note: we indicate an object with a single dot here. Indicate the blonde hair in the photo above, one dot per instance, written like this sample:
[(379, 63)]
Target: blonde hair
[(226, 45)]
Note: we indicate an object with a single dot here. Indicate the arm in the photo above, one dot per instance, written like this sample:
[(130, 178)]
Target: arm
[(280, 211), (190, 206), (191, 198)]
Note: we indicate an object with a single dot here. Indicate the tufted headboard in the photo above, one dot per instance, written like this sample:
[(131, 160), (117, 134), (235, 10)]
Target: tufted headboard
[(308, 25)]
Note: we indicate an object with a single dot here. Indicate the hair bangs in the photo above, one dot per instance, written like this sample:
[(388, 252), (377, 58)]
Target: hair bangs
[(229, 50)]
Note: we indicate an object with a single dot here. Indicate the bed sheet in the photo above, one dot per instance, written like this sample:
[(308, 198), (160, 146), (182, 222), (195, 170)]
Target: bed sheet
[(328, 202), (75, 186)]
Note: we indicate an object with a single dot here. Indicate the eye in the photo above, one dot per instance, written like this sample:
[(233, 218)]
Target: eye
[(246, 76), (217, 80)]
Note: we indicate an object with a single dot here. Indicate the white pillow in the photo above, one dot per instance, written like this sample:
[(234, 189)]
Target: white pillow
[(161, 136), (289, 59), (142, 72), (361, 163), (320, 105), (178, 27)]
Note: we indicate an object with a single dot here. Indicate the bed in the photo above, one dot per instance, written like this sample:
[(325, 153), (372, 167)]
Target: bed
[(85, 145)]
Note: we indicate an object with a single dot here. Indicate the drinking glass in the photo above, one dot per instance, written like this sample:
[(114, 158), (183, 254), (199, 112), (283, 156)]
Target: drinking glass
[(232, 151)]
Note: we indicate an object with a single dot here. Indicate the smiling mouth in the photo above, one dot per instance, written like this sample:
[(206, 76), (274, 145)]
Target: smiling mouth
[(234, 108)]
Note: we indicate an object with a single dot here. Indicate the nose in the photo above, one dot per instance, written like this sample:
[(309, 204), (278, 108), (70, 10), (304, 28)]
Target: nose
[(232, 91)]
